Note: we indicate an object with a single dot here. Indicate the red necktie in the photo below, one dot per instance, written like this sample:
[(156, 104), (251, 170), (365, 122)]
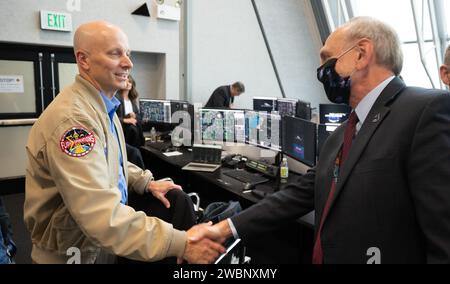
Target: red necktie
[(340, 159)]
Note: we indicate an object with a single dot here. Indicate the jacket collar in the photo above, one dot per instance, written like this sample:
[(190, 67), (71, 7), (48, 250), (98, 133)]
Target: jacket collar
[(375, 118)]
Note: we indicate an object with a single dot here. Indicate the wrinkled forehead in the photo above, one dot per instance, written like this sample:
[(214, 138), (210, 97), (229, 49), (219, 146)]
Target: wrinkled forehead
[(334, 45)]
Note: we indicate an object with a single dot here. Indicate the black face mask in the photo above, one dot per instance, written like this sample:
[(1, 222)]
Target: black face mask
[(336, 87)]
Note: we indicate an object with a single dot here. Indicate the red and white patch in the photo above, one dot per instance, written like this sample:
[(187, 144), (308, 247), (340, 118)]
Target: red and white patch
[(77, 142)]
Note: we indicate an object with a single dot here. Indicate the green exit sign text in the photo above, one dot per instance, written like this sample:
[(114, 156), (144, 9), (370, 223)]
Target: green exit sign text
[(56, 21)]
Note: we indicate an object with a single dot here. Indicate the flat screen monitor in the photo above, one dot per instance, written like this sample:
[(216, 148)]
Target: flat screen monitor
[(263, 129), (269, 131), (264, 104), (323, 132), (334, 113), (152, 111), (299, 140), (287, 107), (303, 110), (219, 125)]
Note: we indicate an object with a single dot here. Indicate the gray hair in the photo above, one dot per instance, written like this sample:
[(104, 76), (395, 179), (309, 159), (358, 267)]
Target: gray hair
[(447, 56), (239, 87), (387, 46)]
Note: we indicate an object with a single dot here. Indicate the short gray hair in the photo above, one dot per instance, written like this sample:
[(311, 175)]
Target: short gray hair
[(386, 42), (447, 56), (239, 86)]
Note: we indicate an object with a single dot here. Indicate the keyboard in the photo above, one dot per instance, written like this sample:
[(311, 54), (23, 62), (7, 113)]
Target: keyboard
[(246, 177)]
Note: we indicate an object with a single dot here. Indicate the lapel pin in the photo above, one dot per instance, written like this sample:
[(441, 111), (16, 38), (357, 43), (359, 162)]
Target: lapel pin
[(376, 118)]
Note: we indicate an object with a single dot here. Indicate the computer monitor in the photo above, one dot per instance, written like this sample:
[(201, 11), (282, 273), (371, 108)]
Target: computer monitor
[(303, 110), (299, 140), (269, 131), (152, 111), (323, 132), (220, 125), (287, 107), (264, 104), (251, 127), (334, 113)]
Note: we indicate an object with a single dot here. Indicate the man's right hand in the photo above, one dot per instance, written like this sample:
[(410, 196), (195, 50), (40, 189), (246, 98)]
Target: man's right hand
[(130, 120), (203, 245)]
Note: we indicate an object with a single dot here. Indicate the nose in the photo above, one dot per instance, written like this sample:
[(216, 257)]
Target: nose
[(126, 62)]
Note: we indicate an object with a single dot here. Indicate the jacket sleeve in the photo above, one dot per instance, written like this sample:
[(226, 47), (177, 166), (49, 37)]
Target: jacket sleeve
[(85, 187), (429, 177), (280, 208), (138, 179)]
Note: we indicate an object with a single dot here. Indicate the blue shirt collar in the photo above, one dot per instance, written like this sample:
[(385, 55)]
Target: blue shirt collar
[(366, 104), (111, 104)]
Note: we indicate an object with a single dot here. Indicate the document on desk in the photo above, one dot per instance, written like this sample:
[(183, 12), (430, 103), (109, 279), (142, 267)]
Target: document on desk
[(173, 154)]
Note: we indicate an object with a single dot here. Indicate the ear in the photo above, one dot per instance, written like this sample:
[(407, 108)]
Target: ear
[(82, 59), (443, 72), (366, 53)]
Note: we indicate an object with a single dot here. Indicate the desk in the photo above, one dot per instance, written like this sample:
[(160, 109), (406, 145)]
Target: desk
[(291, 244)]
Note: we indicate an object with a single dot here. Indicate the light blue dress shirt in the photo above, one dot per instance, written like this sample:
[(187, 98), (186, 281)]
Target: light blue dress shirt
[(111, 107), (366, 104)]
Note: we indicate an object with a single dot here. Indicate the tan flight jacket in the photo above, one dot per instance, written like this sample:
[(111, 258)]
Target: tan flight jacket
[(75, 201)]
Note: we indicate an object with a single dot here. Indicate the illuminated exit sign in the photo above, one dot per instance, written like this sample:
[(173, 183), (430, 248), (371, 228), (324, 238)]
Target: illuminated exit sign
[(56, 21)]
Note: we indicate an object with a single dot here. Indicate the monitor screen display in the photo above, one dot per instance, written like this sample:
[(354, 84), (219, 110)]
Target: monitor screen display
[(155, 111), (264, 104), (218, 125), (299, 140), (269, 131), (287, 107), (334, 113), (303, 110)]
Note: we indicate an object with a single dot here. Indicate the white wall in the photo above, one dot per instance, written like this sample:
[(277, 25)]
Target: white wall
[(295, 43), (20, 23), (225, 45)]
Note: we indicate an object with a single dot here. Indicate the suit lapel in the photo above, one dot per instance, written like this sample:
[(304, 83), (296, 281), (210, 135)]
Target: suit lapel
[(374, 119)]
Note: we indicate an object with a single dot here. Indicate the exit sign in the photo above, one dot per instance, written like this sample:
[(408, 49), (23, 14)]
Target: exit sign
[(56, 21)]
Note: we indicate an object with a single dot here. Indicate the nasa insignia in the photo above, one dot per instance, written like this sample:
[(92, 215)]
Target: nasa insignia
[(77, 142)]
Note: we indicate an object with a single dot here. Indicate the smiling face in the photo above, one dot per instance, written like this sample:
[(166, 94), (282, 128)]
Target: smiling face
[(103, 57)]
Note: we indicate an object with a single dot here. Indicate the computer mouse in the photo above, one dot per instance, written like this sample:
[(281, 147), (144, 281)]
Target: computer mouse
[(248, 186)]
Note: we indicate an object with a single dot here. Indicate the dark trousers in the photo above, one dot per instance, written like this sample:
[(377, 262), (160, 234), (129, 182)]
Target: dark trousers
[(133, 134)]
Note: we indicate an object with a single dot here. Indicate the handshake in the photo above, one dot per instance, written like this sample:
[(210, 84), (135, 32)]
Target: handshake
[(204, 242)]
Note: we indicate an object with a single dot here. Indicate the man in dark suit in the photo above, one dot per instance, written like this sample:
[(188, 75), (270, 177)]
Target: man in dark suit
[(380, 190), (223, 97)]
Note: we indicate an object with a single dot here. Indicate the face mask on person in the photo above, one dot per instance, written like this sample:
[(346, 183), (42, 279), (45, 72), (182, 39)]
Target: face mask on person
[(336, 87)]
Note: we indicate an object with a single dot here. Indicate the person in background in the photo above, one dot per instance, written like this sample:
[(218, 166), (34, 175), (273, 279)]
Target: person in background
[(128, 113), (7, 246), (444, 70), (78, 175), (223, 97)]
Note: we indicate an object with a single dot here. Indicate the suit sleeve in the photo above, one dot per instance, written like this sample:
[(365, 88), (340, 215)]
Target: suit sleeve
[(287, 205), (219, 99), (429, 177), (94, 203)]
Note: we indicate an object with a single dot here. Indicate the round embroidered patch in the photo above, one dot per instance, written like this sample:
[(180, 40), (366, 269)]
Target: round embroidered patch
[(77, 142)]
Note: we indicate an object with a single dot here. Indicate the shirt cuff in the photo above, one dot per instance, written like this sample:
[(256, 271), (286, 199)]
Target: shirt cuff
[(233, 229)]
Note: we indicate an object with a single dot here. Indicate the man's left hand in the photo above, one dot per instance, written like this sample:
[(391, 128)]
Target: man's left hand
[(160, 188)]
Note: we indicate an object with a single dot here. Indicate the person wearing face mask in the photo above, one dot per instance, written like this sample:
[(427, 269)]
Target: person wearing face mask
[(380, 189)]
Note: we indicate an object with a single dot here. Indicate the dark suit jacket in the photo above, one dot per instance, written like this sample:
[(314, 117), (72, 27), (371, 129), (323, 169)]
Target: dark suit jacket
[(220, 98), (393, 193), (121, 109)]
